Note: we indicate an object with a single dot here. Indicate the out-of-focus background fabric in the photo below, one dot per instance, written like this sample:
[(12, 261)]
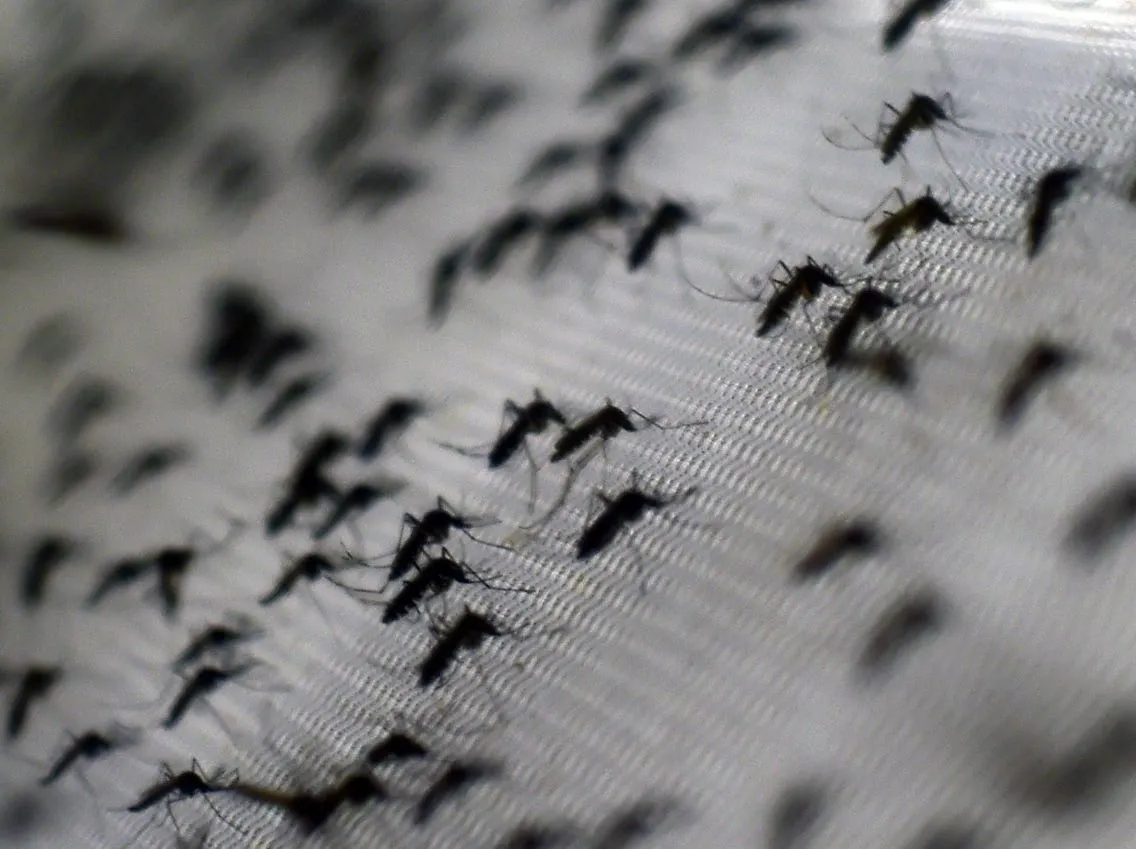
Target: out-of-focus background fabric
[(683, 664)]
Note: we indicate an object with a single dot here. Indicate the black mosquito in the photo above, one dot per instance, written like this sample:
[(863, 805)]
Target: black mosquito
[(1109, 514), (796, 284), (99, 224), (51, 343), (577, 218), (355, 500), (595, 430), (604, 424), (85, 401), (432, 528), (149, 463), (396, 746), (667, 219), (219, 638), (448, 268), (634, 125), (488, 102), (89, 746), (434, 577), (72, 467), (633, 823), (376, 185), (205, 681), (282, 345), (621, 75), (858, 537), (887, 364), (921, 113), (171, 788), (442, 91), (237, 327), (752, 41), (556, 158), (918, 216), (615, 20), (390, 420), (532, 419), (900, 25), (709, 31), (867, 306), (309, 567), (1053, 188), (458, 778), (535, 835), (290, 396), (1042, 362), (619, 513), (311, 810), (467, 632), (45, 557), (907, 622), (35, 684), (501, 236), (308, 484), (796, 815), (119, 575)]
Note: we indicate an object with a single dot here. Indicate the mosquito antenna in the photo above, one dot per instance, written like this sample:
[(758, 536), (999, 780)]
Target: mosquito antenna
[(743, 299), (860, 218), (947, 160), (657, 424), (872, 143)]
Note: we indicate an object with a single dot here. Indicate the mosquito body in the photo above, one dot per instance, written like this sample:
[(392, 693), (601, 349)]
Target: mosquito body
[(868, 305), (119, 575), (310, 567), (432, 528), (203, 683), (456, 780), (860, 537), (666, 220), (358, 499), (218, 638), (467, 632), (604, 424), (1108, 516), (905, 623), (555, 158), (918, 216), (501, 236), (291, 395), (147, 464), (35, 685), (900, 25), (308, 484), (395, 416), (1052, 189), (82, 404), (87, 223), (619, 513), (804, 283), (533, 419), (88, 746), (396, 746), (1043, 362), (46, 556), (448, 268), (238, 327), (617, 77), (278, 348)]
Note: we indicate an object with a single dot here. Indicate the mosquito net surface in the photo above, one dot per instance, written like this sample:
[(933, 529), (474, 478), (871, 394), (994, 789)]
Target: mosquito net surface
[(870, 593)]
